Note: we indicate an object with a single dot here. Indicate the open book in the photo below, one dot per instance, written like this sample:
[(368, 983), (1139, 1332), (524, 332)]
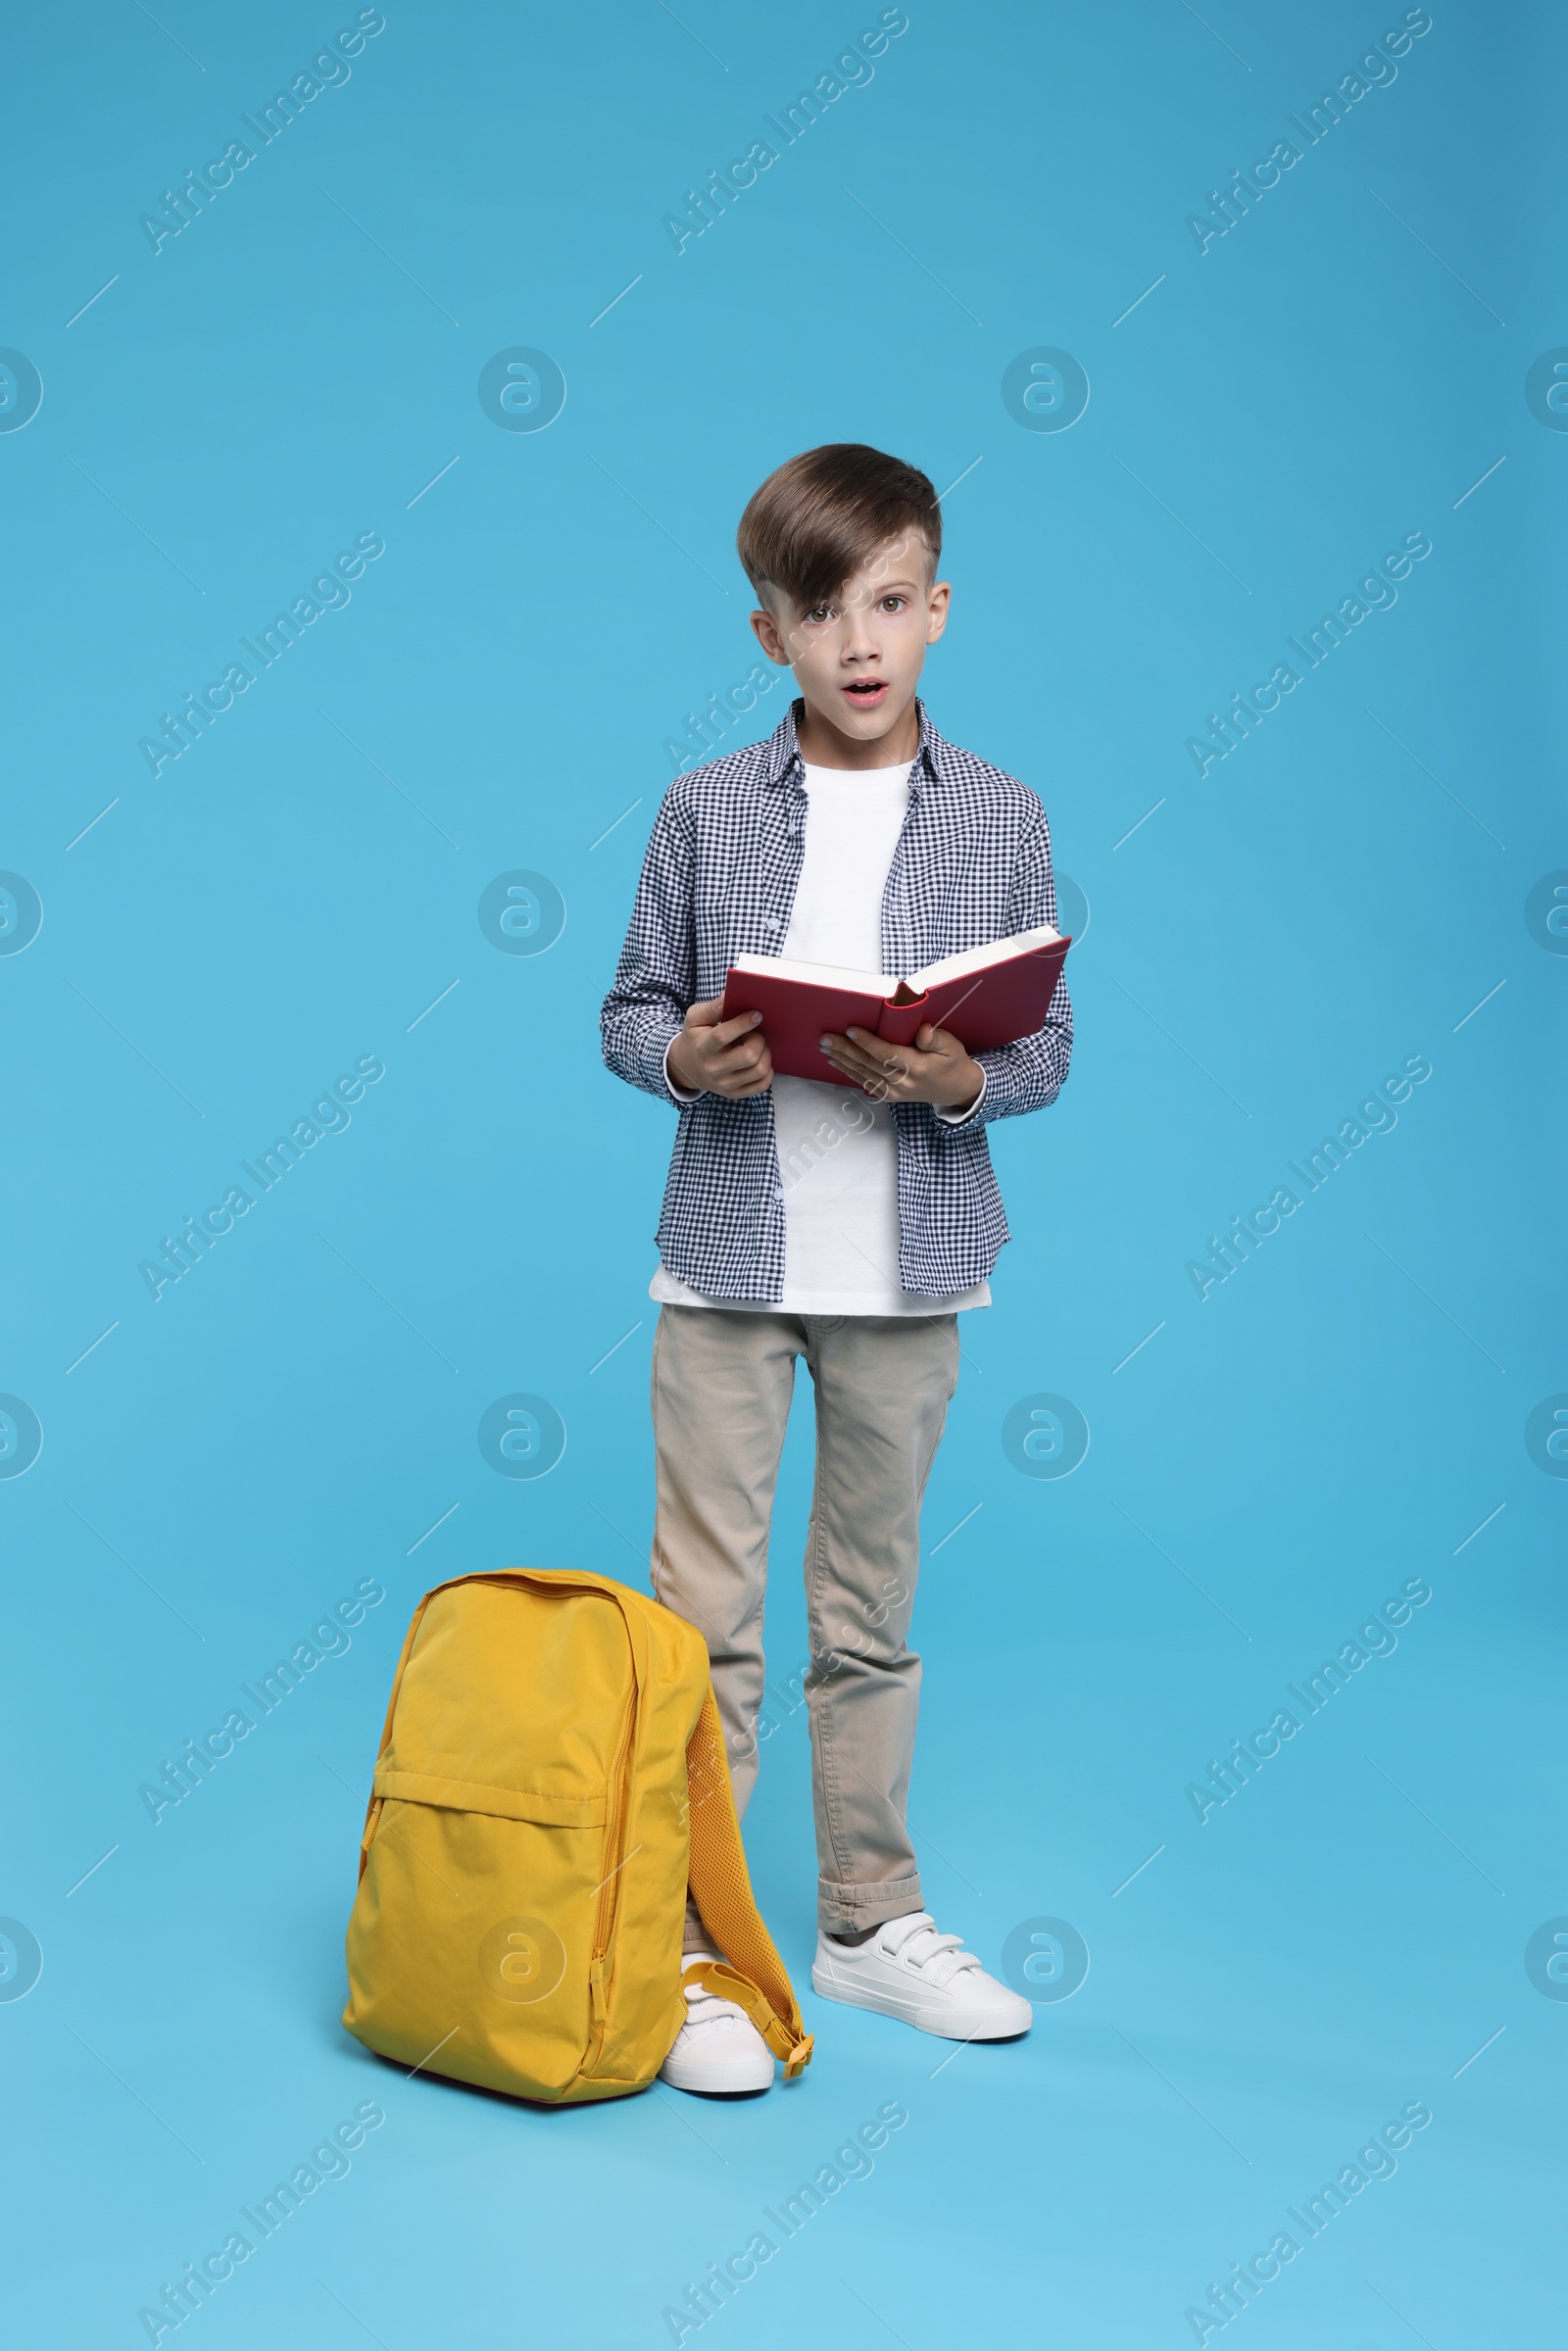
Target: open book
[(986, 997)]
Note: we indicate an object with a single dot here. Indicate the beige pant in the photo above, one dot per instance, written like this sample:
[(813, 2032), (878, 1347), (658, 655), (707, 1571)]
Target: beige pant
[(721, 1387)]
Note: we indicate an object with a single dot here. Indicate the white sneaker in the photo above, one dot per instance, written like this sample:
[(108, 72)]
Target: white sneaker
[(927, 1979), (718, 2050)]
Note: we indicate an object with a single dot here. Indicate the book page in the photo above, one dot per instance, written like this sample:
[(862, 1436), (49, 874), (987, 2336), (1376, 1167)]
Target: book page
[(815, 975), (980, 958)]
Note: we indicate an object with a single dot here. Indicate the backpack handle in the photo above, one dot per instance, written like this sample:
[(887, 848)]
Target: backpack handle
[(721, 1887)]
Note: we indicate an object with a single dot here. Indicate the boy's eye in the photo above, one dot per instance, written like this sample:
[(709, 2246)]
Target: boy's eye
[(894, 604)]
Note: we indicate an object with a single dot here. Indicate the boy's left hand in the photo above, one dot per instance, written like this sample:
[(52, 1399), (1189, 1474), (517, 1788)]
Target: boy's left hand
[(935, 1068)]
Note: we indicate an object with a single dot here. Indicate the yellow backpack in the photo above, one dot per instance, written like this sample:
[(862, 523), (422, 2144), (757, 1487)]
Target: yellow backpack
[(551, 1776)]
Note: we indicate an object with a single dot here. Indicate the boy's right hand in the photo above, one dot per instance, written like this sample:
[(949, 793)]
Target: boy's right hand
[(721, 1056)]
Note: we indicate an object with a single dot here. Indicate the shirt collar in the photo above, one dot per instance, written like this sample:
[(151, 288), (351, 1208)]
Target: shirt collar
[(785, 762)]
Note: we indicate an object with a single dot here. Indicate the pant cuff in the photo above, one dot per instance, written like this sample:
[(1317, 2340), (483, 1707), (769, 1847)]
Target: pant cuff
[(695, 1935), (848, 1909)]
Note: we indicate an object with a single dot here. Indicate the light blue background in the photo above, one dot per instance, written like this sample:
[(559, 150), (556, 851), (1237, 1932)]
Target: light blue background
[(298, 888)]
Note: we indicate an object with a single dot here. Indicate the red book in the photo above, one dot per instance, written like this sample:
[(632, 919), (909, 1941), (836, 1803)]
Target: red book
[(986, 997)]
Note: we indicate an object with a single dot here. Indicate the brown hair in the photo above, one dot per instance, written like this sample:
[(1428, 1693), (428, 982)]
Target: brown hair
[(822, 516)]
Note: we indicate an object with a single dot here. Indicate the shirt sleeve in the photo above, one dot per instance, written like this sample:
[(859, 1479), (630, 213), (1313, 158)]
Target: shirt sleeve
[(680, 1093), (959, 1118), (655, 979), (1031, 1072)]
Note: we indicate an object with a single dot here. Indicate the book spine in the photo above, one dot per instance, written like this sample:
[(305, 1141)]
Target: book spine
[(899, 1023)]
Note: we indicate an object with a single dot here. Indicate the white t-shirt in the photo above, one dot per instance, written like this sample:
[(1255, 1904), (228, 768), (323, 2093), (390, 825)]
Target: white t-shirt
[(838, 1151)]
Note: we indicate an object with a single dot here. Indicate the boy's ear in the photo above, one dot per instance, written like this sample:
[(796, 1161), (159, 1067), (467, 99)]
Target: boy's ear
[(936, 615), (770, 637)]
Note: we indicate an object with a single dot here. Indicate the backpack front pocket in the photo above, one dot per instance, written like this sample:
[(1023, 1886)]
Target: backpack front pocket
[(481, 1929)]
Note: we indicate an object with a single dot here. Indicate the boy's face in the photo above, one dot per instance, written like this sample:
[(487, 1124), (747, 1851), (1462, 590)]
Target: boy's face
[(857, 659)]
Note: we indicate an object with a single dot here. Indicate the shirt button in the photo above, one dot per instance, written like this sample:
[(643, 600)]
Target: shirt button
[(778, 1192)]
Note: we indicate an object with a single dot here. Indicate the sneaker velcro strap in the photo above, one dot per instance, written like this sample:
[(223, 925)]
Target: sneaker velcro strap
[(728, 1983)]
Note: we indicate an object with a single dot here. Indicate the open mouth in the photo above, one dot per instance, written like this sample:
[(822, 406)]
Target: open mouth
[(866, 692)]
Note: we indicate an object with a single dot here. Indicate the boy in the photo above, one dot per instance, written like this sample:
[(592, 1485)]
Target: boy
[(850, 1221)]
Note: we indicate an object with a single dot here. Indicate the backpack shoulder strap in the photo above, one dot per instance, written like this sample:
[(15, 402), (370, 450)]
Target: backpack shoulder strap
[(721, 1887)]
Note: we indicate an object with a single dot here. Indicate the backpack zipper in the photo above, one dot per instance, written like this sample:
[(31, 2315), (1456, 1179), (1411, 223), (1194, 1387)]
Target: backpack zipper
[(609, 1890)]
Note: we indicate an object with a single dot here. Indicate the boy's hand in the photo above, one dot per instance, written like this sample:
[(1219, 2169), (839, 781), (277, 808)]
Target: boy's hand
[(935, 1068), (721, 1056)]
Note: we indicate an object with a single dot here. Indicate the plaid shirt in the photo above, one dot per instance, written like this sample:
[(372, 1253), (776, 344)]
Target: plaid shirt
[(972, 864)]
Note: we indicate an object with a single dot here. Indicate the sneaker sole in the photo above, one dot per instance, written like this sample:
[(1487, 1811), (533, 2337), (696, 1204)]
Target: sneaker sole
[(909, 2012), (729, 2085)]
